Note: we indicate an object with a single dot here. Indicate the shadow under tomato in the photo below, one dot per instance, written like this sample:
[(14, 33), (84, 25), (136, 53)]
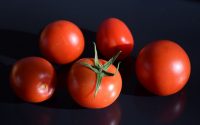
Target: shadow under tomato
[(17, 44), (131, 85), (14, 45), (61, 98), (6, 94), (90, 38), (89, 47)]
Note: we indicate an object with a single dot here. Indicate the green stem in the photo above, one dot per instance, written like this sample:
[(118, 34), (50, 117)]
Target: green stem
[(101, 70)]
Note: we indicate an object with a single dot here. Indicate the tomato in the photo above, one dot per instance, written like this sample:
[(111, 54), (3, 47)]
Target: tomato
[(33, 79), (163, 67), (61, 42), (112, 36), (87, 89)]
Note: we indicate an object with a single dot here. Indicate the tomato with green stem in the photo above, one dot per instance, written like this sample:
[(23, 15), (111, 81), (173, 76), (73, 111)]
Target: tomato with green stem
[(163, 67), (33, 79), (94, 83)]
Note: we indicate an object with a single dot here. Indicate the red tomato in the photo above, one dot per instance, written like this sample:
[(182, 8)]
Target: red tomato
[(33, 79), (112, 36), (81, 84), (61, 42), (163, 67)]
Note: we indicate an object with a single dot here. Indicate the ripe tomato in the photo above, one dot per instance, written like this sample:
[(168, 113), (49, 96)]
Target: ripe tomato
[(90, 91), (163, 67), (112, 36), (61, 42), (33, 79)]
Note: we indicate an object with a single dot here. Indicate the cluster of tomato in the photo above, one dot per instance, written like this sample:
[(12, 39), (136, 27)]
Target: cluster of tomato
[(162, 67)]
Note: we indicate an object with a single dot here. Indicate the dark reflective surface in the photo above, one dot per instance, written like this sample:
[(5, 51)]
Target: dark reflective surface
[(108, 116), (178, 20), (197, 1), (172, 109), (154, 110)]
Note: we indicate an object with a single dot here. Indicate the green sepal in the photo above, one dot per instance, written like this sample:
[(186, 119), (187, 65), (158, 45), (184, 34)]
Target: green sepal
[(101, 70), (98, 83), (96, 60), (111, 61), (90, 67)]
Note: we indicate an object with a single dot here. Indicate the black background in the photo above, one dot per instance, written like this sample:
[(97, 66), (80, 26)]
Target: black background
[(21, 22)]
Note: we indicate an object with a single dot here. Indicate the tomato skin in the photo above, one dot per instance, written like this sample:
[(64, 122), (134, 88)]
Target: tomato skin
[(112, 36), (61, 42), (81, 83), (33, 79), (163, 67)]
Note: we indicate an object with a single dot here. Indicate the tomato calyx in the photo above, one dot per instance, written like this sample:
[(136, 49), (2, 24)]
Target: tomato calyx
[(100, 69)]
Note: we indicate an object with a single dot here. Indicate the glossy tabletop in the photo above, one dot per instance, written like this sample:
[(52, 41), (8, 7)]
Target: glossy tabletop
[(178, 20)]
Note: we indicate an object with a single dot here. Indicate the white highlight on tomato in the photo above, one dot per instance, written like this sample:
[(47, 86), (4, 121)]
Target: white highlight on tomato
[(110, 87), (178, 67)]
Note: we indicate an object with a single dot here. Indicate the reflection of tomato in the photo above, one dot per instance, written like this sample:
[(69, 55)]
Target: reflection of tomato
[(107, 116), (163, 67), (82, 82), (172, 108), (113, 35), (162, 110), (61, 42), (33, 79)]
